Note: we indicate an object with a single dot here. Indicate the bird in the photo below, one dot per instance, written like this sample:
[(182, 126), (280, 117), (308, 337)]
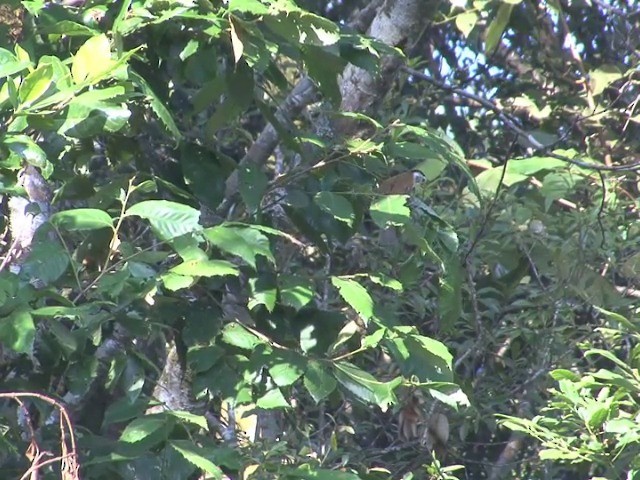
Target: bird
[(402, 183)]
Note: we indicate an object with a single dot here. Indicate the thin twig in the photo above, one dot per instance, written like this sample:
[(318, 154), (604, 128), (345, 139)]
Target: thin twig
[(512, 125)]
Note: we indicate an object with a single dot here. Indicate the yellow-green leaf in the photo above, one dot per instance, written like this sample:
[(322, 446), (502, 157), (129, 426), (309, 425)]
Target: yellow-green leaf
[(91, 59)]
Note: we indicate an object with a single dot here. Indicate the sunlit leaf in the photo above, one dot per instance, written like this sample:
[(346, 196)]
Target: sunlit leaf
[(355, 295), (82, 219), (238, 336), (364, 386), (497, 27), (272, 399), (17, 331), (197, 456), (390, 210), (206, 268), (245, 242), (140, 428), (35, 85), (92, 59), (169, 219), (465, 22)]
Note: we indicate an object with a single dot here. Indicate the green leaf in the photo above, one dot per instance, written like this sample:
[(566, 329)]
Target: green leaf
[(296, 292), (202, 358), (373, 340), (187, 417), (17, 331), (94, 112), (157, 105), (391, 210), (141, 428), (324, 68), (554, 454), (620, 319), (336, 205), (263, 292), (450, 293), (238, 336), (609, 356), (66, 340), (316, 30), (420, 356), (562, 374), (9, 64), (35, 85), (245, 242), (497, 27), (465, 22), (248, 6), (168, 219), (26, 149), (122, 410), (92, 59), (531, 166), (364, 386), (355, 295), (556, 186), (318, 381), (272, 399), (285, 366), (176, 282), (489, 180), (197, 456), (253, 184), (409, 150), (47, 261), (69, 28), (82, 219), (205, 268), (602, 77), (307, 472), (386, 281), (61, 73)]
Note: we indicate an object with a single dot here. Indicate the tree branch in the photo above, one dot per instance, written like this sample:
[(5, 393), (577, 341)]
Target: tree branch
[(513, 126)]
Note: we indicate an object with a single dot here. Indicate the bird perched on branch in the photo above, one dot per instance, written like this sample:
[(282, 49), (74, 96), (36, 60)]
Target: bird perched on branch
[(402, 183)]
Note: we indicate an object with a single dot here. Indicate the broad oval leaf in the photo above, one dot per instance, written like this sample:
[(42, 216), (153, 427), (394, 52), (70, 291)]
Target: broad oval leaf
[(296, 292), (238, 336), (141, 428), (355, 295), (26, 149), (285, 367), (82, 219), (245, 242), (336, 205), (9, 64), (205, 268), (364, 386), (427, 359), (248, 6), (91, 59), (168, 219), (318, 381), (465, 22), (390, 210), (197, 456), (17, 331), (272, 399), (35, 85)]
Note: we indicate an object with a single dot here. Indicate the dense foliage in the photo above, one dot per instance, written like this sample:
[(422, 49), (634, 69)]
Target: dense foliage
[(352, 240)]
